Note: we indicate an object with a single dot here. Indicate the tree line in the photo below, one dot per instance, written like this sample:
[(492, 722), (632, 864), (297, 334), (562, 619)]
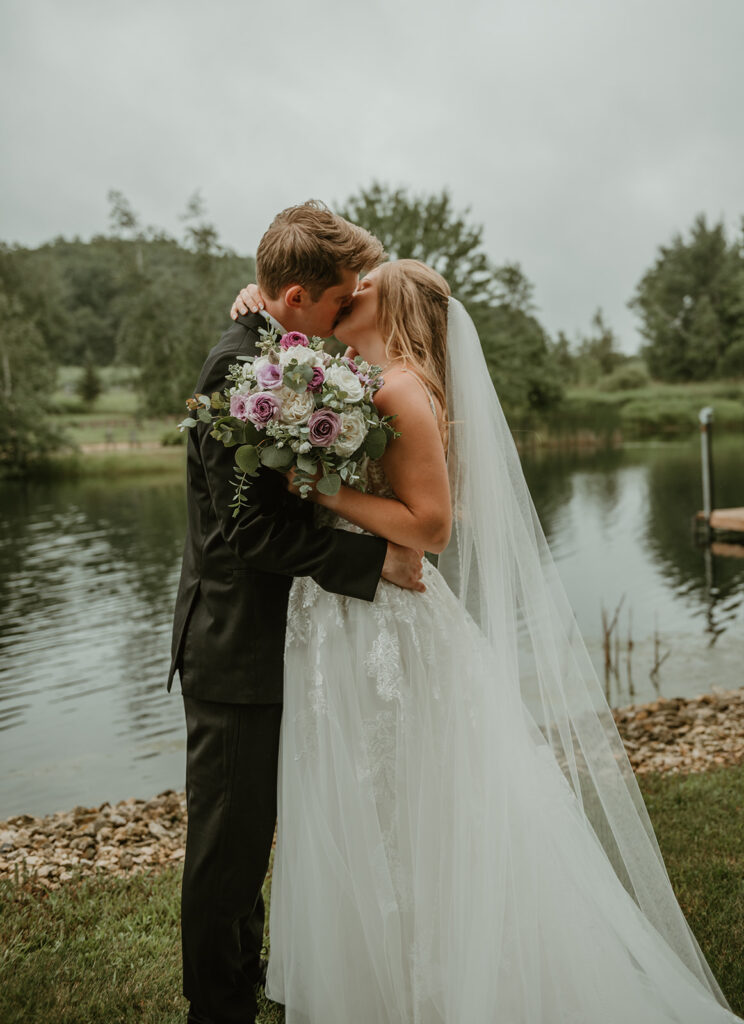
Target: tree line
[(141, 297)]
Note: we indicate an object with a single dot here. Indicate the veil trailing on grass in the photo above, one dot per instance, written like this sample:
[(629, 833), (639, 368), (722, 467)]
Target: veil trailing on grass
[(499, 565)]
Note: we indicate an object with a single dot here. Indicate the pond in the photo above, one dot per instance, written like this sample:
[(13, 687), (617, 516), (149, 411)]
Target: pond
[(88, 573)]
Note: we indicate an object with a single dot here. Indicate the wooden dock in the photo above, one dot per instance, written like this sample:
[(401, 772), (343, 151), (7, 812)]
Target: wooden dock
[(714, 526), (727, 520), (724, 550)]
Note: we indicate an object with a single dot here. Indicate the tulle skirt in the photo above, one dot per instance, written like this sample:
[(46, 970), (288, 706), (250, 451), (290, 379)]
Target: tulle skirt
[(433, 866)]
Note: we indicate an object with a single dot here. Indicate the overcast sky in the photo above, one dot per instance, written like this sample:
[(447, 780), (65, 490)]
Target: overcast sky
[(581, 134)]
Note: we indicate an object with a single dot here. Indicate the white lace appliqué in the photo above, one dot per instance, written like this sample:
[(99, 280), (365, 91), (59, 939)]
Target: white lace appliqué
[(383, 664)]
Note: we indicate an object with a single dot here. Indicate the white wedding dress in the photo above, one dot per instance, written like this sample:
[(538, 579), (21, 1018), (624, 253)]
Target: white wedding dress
[(434, 864)]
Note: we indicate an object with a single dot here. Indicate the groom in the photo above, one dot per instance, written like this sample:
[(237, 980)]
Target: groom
[(230, 619)]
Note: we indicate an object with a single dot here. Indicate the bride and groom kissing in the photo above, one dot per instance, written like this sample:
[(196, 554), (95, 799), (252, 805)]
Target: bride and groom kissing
[(460, 837)]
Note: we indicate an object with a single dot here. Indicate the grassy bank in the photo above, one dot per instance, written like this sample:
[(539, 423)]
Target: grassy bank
[(587, 416), (591, 417), (112, 418), (153, 462), (106, 951)]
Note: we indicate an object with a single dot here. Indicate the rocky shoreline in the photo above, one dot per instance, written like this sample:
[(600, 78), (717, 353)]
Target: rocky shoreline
[(667, 735), (684, 734)]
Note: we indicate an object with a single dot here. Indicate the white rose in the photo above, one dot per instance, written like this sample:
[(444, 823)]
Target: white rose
[(300, 353), (295, 408), (353, 432), (342, 378)]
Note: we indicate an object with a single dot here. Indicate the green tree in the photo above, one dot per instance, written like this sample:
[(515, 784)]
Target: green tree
[(33, 281), (598, 354), (427, 228), (27, 382), (174, 301), (520, 358), (499, 298), (564, 359), (89, 384), (691, 305)]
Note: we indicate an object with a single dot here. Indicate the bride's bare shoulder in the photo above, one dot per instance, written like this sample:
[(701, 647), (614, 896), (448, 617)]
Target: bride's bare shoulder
[(403, 390)]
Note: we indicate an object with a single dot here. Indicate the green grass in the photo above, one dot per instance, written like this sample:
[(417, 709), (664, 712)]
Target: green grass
[(111, 376), (657, 410), (102, 951), (109, 465), (112, 417), (106, 950), (699, 821), (592, 417)]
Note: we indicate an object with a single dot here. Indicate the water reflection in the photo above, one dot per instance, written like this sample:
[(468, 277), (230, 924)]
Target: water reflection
[(88, 573), (702, 580), (622, 537)]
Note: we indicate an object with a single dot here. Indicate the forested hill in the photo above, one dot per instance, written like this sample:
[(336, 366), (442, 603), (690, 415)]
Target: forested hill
[(85, 298), (142, 298)]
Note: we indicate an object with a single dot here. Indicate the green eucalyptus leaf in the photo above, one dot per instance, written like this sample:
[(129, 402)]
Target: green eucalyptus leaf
[(307, 464), (298, 385), (205, 400), (329, 484), (376, 443), (204, 415), (187, 423), (246, 458), (249, 433), (276, 458)]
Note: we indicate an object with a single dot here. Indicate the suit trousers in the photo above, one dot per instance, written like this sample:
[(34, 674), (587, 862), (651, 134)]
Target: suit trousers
[(231, 783)]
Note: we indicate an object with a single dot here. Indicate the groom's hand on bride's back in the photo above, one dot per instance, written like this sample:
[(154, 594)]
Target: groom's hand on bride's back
[(403, 566)]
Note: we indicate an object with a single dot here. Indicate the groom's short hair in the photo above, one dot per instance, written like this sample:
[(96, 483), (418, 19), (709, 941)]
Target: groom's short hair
[(309, 245)]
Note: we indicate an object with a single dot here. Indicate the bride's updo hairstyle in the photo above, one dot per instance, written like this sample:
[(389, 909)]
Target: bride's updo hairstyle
[(412, 318)]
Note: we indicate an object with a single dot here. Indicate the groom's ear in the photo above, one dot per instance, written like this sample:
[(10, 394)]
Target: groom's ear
[(296, 296)]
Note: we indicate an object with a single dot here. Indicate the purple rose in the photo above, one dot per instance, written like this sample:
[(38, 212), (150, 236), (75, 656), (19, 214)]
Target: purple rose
[(293, 338), (316, 381), (325, 426), (262, 407), (238, 406), (269, 376), (363, 377)]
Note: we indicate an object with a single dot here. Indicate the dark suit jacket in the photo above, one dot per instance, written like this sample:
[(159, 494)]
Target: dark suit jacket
[(231, 608)]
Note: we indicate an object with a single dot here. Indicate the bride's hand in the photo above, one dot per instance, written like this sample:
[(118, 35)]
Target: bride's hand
[(291, 486), (294, 489), (249, 298)]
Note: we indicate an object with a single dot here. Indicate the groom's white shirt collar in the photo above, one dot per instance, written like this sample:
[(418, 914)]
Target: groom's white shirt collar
[(272, 321)]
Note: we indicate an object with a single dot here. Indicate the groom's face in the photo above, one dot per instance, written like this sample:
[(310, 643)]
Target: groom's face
[(320, 317)]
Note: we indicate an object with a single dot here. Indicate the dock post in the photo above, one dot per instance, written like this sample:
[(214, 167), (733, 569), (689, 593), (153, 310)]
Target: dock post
[(706, 452)]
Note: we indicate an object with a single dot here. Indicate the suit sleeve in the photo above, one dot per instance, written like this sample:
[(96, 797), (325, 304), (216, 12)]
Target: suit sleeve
[(275, 531)]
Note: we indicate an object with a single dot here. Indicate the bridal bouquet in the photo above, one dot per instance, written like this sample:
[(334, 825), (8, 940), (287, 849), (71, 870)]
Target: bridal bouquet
[(296, 406)]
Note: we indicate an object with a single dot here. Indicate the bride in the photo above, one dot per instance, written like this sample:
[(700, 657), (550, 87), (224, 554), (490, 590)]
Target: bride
[(461, 839)]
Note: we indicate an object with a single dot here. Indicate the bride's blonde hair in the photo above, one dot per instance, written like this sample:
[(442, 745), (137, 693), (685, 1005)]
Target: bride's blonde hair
[(412, 318)]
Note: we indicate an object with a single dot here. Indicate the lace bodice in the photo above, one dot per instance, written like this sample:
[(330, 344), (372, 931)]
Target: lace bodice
[(375, 482)]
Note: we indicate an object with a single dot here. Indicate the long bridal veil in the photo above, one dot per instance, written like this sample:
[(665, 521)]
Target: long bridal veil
[(499, 565)]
